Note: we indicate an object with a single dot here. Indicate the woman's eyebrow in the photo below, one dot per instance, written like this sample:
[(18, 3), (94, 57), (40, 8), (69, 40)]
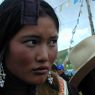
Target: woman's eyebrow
[(54, 37), (37, 37), (31, 36)]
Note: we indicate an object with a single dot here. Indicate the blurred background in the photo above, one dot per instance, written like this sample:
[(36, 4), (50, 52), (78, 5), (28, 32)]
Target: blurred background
[(77, 22)]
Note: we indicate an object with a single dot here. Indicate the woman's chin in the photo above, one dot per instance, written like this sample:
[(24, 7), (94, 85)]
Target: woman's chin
[(37, 81)]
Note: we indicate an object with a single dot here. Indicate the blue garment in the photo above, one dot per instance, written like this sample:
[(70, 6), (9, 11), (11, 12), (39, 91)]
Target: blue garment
[(59, 67)]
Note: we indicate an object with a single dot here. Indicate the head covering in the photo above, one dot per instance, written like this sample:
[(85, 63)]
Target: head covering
[(82, 56), (29, 11), (14, 14), (59, 67)]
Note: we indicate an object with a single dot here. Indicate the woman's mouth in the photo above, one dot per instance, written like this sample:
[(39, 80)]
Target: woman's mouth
[(41, 70)]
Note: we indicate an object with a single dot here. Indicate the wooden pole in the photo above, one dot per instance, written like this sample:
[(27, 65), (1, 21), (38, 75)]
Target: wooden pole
[(90, 17)]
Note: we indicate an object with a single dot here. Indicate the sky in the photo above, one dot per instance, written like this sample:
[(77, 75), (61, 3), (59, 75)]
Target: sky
[(67, 12)]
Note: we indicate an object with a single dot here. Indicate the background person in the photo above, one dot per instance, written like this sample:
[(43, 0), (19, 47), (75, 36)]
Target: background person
[(59, 68)]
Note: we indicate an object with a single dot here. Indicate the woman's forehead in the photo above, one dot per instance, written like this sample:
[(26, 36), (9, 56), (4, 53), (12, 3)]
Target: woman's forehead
[(44, 25)]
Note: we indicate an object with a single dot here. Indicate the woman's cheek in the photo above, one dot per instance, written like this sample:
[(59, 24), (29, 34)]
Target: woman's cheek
[(53, 55)]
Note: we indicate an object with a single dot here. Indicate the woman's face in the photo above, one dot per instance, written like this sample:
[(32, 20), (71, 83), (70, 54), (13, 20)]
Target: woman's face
[(32, 51)]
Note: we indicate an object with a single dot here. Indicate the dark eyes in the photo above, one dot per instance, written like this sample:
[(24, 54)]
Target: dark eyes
[(52, 42), (35, 42), (31, 42)]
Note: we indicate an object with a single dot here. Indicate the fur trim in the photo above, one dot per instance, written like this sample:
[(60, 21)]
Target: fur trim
[(50, 89)]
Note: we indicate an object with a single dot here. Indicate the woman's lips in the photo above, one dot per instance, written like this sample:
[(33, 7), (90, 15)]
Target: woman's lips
[(41, 70)]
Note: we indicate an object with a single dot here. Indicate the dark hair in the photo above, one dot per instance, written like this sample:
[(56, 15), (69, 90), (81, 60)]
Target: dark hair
[(10, 19)]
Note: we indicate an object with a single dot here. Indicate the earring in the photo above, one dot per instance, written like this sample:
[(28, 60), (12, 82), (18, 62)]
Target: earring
[(2, 76), (50, 78)]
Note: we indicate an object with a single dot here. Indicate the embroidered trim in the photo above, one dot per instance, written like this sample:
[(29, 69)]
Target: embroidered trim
[(63, 87)]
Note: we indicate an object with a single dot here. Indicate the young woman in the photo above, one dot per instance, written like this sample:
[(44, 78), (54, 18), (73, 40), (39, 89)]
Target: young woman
[(28, 48)]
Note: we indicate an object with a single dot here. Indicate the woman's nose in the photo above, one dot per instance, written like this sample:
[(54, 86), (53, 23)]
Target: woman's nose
[(43, 54)]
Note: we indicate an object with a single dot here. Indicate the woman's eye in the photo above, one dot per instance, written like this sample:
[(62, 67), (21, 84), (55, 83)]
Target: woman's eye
[(31, 43), (53, 43)]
